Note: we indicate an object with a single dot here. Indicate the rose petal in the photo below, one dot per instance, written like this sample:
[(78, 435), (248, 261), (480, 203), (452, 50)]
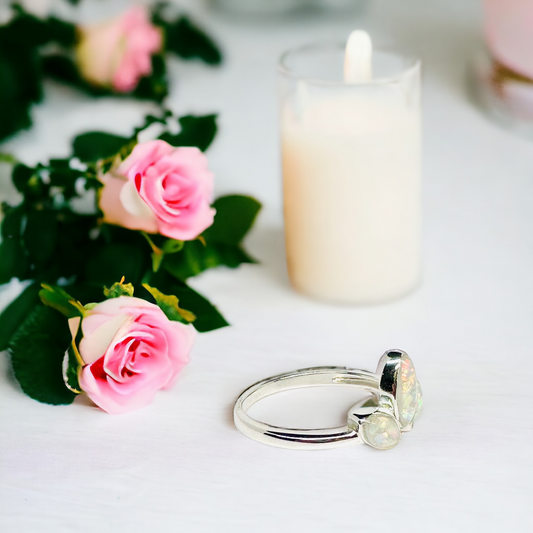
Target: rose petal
[(142, 156), (124, 305), (94, 346), (180, 345), (133, 203), (114, 210), (104, 397)]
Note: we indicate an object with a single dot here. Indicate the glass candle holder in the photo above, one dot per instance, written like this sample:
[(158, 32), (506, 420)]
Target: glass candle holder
[(285, 7), (351, 162), (259, 7)]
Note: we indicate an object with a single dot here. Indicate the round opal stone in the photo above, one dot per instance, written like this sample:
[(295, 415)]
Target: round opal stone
[(381, 431), (407, 395)]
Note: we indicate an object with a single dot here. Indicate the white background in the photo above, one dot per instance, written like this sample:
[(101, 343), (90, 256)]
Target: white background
[(180, 465)]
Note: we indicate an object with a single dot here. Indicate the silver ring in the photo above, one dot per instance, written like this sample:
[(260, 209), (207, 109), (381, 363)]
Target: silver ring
[(392, 407)]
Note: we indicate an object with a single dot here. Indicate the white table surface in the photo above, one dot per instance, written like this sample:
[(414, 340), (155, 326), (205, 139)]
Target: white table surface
[(180, 464)]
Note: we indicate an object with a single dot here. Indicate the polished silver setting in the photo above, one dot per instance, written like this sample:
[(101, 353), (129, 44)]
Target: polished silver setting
[(378, 420)]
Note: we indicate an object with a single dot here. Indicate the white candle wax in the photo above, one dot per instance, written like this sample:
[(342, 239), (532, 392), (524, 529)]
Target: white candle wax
[(351, 172)]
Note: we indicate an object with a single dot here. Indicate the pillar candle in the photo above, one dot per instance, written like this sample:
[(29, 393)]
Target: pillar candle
[(351, 172)]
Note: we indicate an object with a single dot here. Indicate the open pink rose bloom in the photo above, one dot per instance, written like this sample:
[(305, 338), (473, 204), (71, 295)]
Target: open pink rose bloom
[(117, 54), (160, 189), (131, 350)]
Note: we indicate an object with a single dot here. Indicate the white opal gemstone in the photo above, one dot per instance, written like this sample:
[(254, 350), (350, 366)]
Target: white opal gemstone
[(419, 400), (381, 431), (407, 395)]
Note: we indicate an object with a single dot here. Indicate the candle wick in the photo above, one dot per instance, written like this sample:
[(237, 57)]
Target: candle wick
[(358, 58)]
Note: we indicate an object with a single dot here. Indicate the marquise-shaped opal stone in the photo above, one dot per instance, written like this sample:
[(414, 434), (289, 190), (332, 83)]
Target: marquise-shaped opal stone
[(407, 395), (381, 431)]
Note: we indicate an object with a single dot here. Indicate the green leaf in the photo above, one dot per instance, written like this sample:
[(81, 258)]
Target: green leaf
[(13, 259), (16, 312), (26, 29), (188, 41), (60, 163), (20, 72), (61, 32), (172, 246), (8, 158), (74, 247), (116, 261), (119, 289), (155, 86), (197, 257), (96, 145), (37, 351), (169, 304), (157, 259), (87, 292), (40, 236), (64, 69), (235, 216), (64, 177), (61, 301), (151, 119), (158, 255), (12, 222), (208, 318), (21, 177), (198, 131), (21, 62)]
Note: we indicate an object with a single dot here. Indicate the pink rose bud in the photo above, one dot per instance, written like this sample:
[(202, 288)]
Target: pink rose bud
[(509, 33), (160, 189), (131, 350), (118, 53)]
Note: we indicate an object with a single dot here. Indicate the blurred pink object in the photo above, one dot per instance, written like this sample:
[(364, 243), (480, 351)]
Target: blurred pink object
[(118, 53), (519, 98), (509, 33)]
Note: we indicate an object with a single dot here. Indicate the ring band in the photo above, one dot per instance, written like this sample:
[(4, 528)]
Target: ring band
[(394, 404)]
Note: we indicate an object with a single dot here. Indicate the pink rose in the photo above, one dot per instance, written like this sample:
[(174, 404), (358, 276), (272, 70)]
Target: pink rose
[(509, 33), (117, 54), (160, 189), (131, 350)]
